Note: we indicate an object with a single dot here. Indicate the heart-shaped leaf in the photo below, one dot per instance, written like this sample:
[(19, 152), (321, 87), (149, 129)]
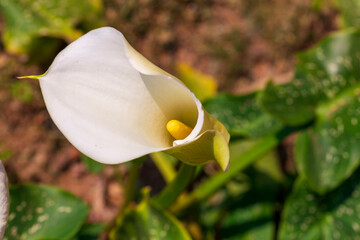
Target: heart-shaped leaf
[(336, 215), (242, 115), (43, 212), (328, 152), (325, 89)]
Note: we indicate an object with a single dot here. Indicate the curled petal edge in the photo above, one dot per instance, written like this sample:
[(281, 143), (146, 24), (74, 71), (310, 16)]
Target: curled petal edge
[(206, 146), (210, 145)]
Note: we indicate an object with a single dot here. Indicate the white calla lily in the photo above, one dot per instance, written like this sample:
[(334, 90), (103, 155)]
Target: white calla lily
[(113, 104), (4, 200)]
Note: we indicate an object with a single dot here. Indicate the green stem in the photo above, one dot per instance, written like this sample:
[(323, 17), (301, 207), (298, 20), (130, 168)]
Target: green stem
[(171, 192), (210, 186), (164, 165), (130, 189)]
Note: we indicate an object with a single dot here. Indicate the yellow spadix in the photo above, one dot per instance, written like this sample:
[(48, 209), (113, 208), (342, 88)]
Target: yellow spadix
[(178, 129)]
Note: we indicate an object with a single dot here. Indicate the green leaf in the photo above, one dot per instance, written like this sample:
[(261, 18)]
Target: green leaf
[(90, 232), (22, 91), (27, 20), (317, 4), (165, 164), (336, 215), (245, 208), (321, 74), (325, 90), (253, 222), (250, 215), (202, 85), (148, 221), (43, 212), (92, 165), (329, 152), (5, 153), (242, 115), (269, 163), (349, 13)]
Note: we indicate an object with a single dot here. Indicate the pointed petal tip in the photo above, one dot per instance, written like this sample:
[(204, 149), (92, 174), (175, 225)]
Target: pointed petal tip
[(221, 151), (30, 77), (224, 165)]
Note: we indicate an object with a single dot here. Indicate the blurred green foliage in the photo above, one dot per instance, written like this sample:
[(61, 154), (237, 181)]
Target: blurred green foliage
[(28, 21), (22, 91), (202, 85), (90, 232), (246, 207), (91, 164), (5, 154), (350, 10)]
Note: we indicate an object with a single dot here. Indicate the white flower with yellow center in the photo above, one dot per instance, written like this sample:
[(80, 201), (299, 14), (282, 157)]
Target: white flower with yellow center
[(114, 105)]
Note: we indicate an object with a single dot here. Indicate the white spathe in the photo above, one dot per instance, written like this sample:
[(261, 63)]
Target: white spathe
[(4, 200), (113, 104)]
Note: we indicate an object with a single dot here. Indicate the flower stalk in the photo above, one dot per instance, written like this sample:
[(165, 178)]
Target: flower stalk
[(164, 165), (172, 191), (130, 189)]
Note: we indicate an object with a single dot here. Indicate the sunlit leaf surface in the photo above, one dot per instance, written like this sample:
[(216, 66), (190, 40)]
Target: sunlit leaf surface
[(27, 20), (321, 75), (43, 212), (242, 115), (329, 152), (326, 90), (336, 215)]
